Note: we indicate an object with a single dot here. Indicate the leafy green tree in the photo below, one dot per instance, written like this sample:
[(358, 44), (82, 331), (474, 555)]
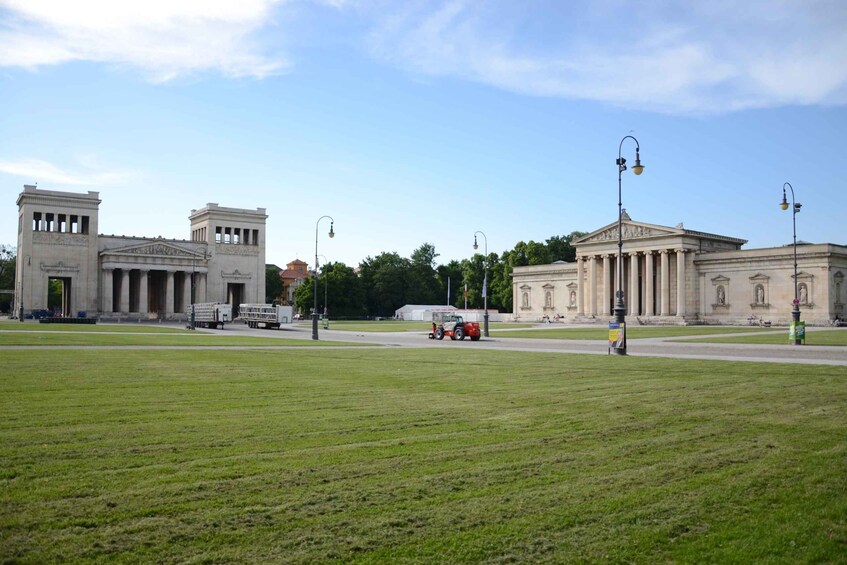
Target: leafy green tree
[(385, 280), (450, 275), (473, 272), (423, 287), (561, 247), (273, 286), (55, 288), (304, 297), (500, 285), (8, 258), (531, 253), (342, 291)]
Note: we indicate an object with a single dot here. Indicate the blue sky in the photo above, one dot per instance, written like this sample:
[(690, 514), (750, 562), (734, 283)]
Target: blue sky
[(425, 121)]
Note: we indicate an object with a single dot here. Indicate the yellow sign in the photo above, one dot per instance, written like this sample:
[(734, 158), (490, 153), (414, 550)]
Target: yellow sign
[(617, 335)]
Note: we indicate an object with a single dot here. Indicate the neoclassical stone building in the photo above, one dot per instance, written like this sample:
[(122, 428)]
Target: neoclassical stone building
[(118, 276), (681, 276)]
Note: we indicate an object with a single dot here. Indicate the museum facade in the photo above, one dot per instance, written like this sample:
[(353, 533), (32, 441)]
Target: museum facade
[(681, 276), (128, 277)]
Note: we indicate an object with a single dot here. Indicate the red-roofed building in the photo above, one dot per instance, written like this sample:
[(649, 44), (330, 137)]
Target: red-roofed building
[(293, 276)]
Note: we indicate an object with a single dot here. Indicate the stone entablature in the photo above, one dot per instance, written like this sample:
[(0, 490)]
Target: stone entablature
[(58, 238)]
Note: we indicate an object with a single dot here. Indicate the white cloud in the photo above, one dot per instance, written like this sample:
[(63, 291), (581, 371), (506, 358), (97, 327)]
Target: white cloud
[(672, 57), (669, 57), (35, 170), (167, 38)]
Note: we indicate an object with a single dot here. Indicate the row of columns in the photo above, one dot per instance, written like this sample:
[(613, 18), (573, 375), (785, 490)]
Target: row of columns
[(143, 290), (586, 298)]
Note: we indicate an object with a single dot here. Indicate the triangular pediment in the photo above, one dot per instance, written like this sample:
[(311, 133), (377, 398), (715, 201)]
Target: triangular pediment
[(720, 279), (630, 230), (759, 277), (154, 248)]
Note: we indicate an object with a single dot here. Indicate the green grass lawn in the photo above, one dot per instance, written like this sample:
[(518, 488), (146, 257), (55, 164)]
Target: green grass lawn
[(813, 337), (87, 328), (141, 335), (632, 332), (159, 340), (418, 455)]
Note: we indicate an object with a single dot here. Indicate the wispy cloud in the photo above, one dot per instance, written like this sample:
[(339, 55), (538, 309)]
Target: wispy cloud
[(35, 170), (688, 57), (166, 38), (672, 57)]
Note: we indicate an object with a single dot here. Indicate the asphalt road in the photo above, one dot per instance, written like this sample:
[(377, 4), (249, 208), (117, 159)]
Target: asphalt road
[(673, 347), (676, 347)]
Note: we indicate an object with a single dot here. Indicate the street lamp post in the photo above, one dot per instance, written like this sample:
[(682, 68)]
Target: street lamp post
[(315, 293), (620, 307), (193, 324), (484, 280), (23, 266), (795, 207)]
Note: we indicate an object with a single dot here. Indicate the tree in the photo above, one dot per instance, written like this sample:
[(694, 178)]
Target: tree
[(385, 280), (273, 286), (450, 275), (343, 290), (8, 260), (423, 287), (561, 247)]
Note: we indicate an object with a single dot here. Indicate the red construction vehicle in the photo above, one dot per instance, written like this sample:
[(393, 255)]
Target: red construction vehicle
[(454, 327)]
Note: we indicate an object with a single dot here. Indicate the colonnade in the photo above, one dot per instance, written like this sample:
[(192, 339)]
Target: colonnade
[(145, 290), (647, 290)]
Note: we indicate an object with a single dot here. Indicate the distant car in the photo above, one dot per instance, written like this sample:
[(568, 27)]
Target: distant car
[(454, 327)]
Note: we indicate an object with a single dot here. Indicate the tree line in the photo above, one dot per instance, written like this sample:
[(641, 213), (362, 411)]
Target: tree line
[(388, 281)]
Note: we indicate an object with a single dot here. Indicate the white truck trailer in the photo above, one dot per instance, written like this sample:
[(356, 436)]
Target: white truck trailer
[(211, 314), (265, 315)]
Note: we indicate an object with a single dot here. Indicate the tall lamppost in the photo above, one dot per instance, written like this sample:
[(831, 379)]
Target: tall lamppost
[(193, 323), (23, 266), (620, 307), (484, 280), (315, 293), (795, 207)]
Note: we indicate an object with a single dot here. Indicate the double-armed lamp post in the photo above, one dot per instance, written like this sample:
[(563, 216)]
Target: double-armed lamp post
[(795, 207), (484, 280), (620, 307), (315, 293)]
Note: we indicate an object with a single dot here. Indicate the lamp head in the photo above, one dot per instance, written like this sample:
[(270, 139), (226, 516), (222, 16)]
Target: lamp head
[(331, 232), (637, 168), (784, 203), (475, 244)]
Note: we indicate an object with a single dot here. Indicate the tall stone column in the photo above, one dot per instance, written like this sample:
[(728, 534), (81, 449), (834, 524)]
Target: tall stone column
[(666, 287), (607, 286), (125, 291), (169, 295), (186, 292), (108, 292), (143, 301), (592, 286), (201, 289), (580, 309), (634, 306), (680, 282), (649, 306)]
